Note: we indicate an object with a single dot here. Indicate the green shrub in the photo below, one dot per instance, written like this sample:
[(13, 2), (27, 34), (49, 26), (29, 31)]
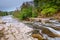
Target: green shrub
[(34, 15), (26, 13), (47, 7), (49, 11)]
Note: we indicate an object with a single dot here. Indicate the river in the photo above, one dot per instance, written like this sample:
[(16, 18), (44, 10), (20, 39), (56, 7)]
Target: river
[(51, 33)]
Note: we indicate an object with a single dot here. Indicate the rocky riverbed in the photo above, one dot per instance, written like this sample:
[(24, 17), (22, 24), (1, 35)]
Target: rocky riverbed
[(49, 29), (12, 29)]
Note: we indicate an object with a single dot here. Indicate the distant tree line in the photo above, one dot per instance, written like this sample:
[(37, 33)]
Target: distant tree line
[(3, 13)]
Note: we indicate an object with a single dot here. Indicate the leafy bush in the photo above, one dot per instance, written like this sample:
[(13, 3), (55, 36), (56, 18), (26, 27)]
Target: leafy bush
[(34, 15), (49, 11), (16, 13), (47, 7), (26, 13)]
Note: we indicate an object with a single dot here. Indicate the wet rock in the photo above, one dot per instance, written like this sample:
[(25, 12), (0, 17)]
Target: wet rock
[(38, 36), (53, 21), (57, 25), (15, 32), (18, 31), (51, 32), (44, 21), (56, 28)]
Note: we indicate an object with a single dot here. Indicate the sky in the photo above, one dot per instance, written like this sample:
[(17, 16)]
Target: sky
[(10, 5)]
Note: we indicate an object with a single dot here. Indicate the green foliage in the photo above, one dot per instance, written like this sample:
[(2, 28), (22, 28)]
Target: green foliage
[(47, 7), (42, 7), (26, 13), (49, 11), (3, 13), (34, 13), (16, 13)]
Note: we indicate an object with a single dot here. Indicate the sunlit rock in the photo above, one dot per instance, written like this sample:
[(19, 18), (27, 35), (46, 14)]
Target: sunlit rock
[(51, 32)]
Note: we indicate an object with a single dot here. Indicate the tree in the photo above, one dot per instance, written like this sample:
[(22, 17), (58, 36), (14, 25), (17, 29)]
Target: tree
[(46, 5), (26, 13), (3, 13)]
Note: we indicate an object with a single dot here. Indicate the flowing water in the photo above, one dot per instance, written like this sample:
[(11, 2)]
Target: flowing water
[(51, 31)]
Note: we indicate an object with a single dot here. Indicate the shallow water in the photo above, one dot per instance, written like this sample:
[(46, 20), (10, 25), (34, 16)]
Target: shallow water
[(51, 31), (8, 19), (48, 32), (19, 27)]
